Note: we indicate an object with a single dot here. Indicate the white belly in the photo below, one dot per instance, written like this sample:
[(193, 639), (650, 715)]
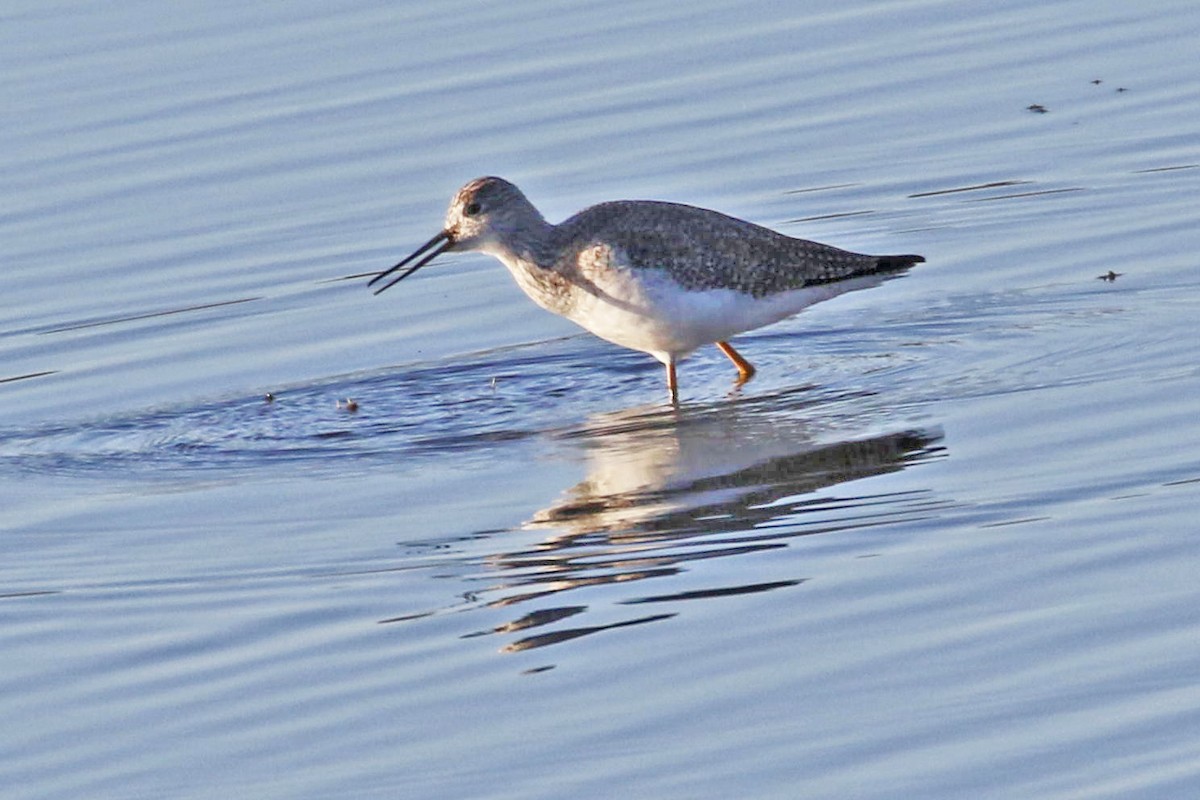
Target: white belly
[(645, 310)]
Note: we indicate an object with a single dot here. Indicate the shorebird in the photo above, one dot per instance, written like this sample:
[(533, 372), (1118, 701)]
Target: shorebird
[(662, 278)]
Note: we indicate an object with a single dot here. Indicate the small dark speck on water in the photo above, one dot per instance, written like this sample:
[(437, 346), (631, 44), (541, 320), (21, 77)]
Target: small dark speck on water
[(1037, 108), (349, 405), (1096, 81), (269, 398), (1109, 276), (536, 670)]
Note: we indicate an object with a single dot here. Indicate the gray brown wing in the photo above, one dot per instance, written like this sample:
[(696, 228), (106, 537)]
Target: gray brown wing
[(704, 249)]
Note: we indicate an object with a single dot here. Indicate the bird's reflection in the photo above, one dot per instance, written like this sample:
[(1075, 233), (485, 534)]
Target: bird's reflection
[(668, 487), (660, 474)]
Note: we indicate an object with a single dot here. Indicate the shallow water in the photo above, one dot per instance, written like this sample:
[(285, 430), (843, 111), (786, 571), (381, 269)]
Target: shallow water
[(941, 545)]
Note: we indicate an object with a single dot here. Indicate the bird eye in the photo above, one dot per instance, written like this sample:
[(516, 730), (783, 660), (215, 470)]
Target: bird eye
[(471, 209)]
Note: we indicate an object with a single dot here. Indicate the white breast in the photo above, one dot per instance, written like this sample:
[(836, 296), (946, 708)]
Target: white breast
[(643, 309)]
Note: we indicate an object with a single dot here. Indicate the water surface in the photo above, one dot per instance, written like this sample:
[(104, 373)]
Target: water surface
[(941, 546)]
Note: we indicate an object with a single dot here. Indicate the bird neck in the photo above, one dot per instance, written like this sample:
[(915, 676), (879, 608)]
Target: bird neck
[(531, 242)]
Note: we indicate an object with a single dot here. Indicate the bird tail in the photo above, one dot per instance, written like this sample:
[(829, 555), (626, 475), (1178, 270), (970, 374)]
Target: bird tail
[(896, 263)]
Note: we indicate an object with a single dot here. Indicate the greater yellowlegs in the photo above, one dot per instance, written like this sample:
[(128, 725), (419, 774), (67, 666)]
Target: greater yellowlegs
[(663, 278)]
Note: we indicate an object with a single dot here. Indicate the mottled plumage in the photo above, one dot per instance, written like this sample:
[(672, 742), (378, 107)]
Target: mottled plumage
[(704, 249), (664, 278)]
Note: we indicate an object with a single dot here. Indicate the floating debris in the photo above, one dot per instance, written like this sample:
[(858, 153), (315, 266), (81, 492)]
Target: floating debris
[(348, 405), (1037, 108), (536, 670), (1109, 276), (268, 398)]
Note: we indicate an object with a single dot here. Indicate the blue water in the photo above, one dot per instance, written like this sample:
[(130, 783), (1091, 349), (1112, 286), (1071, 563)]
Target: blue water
[(941, 546)]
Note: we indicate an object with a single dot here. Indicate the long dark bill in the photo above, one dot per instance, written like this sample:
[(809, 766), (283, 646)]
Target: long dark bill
[(443, 239)]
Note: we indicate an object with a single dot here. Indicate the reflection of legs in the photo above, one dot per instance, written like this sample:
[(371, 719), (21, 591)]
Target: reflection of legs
[(745, 368), (672, 387)]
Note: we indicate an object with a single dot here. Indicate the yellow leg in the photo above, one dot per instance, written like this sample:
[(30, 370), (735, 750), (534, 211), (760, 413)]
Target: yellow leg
[(745, 368), (672, 386)]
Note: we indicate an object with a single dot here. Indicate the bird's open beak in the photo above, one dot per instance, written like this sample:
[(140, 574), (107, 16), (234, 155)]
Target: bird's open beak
[(440, 244)]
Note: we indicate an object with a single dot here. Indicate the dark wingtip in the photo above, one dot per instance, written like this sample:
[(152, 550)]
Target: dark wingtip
[(896, 263)]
